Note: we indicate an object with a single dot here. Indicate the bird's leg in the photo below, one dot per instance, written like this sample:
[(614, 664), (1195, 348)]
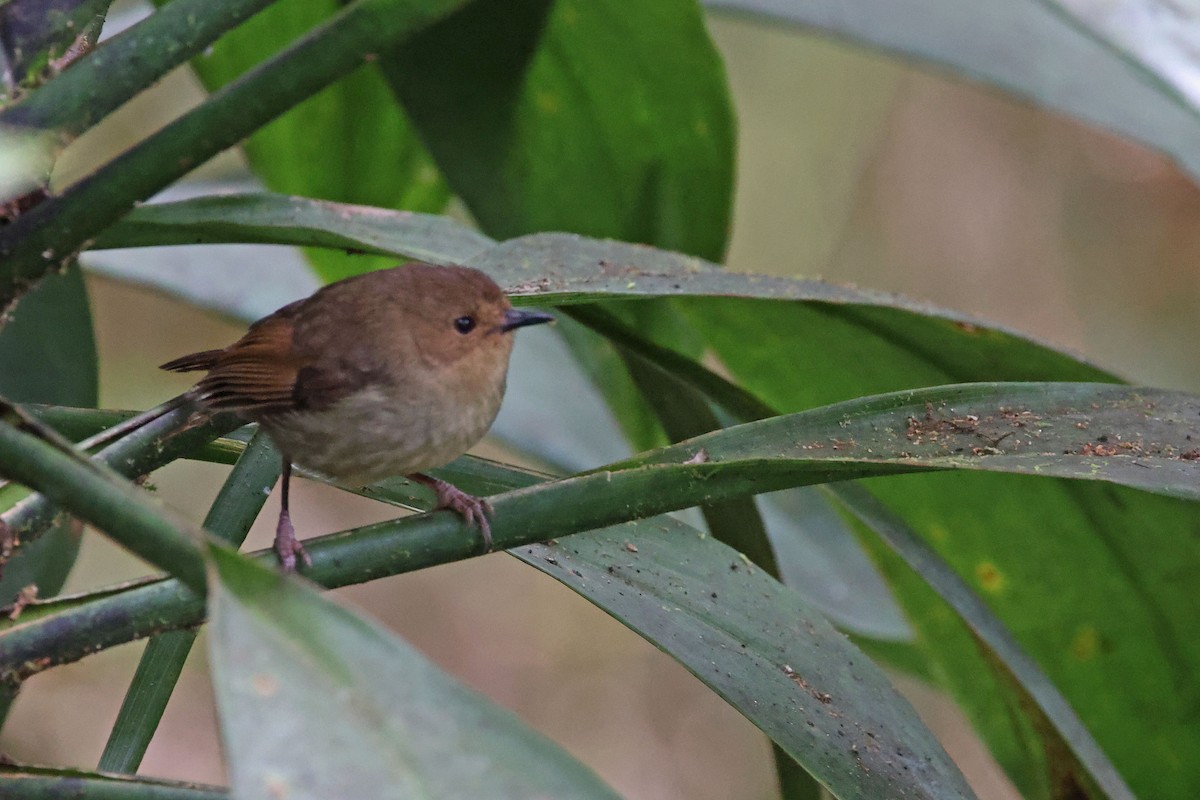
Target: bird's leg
[(474, 510), (287, 547)]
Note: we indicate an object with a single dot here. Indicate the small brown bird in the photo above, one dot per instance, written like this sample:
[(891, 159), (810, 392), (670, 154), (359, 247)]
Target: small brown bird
[(388, 373)]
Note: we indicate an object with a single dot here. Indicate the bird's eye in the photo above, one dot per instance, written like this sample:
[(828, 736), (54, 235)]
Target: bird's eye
[(464, 325)]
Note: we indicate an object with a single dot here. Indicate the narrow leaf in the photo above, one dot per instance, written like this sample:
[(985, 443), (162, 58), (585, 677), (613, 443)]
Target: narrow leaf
[(266, 218), (992, 633)]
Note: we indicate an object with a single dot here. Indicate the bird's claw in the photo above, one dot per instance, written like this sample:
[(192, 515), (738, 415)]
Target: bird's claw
[(287, 546), (474, 510)]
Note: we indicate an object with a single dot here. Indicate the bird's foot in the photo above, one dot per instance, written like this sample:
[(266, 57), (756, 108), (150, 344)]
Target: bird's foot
[(287, 546), (474, 510)]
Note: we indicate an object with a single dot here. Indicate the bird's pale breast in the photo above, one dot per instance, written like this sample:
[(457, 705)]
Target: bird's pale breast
[(380, 431)]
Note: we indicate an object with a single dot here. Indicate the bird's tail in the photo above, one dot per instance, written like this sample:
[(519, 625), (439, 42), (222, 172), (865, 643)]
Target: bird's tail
[(205, 359)]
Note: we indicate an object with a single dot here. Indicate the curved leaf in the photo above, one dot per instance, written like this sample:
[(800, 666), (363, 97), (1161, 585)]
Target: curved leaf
[(1136, 437), (266, 218), (751, 639), (1037, 689), (391, 725), (1130, 67)]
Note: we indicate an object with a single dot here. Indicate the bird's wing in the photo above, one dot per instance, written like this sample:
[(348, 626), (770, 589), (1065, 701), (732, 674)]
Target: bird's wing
[(256, 373)]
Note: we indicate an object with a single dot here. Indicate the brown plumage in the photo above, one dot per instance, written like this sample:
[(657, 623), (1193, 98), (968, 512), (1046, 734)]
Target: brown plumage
[(392, 372)]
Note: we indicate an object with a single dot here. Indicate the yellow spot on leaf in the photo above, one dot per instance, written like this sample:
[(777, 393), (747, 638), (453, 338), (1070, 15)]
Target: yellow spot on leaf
[(547, 102), (990, 578), (938, 534), (1086, 643)]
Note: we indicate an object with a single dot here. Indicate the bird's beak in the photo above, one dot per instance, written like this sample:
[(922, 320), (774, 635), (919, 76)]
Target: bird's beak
[(518, 318)]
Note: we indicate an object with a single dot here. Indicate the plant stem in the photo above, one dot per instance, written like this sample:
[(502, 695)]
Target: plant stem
[(92, 493), (67, 629), (158, 442), (101, 81), (230, 517), (54, 231)]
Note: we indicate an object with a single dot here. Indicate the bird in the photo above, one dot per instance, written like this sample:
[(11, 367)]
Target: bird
[(391, 372)]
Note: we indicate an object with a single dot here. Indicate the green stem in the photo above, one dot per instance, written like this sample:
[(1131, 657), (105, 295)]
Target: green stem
[(233, 512), (101, 81), (40, 783), (52, 232), (158, 442), (684, 413), (92, 493), (65, 630)]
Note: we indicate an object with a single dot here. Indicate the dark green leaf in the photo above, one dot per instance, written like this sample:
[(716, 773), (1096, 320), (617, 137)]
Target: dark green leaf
[(1136, 437), (602, 118), (48, 355), (1094, 770), (751, 639)]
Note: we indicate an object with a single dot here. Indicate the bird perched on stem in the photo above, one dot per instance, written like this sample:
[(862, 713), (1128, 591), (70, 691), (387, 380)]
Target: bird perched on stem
[(387, 373)]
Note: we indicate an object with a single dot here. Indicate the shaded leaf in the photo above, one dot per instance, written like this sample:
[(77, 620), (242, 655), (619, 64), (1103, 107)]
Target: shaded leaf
[(751, 639), (1038, 691), (263, 217), (1054, 430), (607, 119), (1129, 67), (391, 724), (47, 355)]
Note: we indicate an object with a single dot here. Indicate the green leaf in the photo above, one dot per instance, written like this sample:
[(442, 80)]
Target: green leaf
[(1136, 437), (390, 723), (47, 354), (751, 639), (1081, 757), (350, 143), (602, 118), (1131, 71), (1093, 581), (267, 218)]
